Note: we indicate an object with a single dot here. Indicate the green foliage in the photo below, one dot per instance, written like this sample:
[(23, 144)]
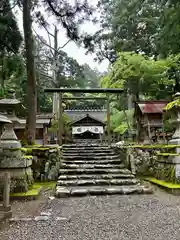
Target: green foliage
[(154, 146), (143, 26), (139, 75), (120, 120), (175, 103), (169, 33), (54, 126), (128, 26), (10, 36)]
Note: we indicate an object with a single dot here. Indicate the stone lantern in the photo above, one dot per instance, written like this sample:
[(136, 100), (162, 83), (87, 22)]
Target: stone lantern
[(12, 156), (8, 106), (175, 109), (168, 165), (3, 120)]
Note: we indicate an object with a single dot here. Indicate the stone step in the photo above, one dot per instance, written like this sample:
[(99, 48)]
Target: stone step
[(94, 171), (104, 162), (74, 145), (97, 182), (91, 166), (101, 190), (90, 148), (90, 157), (97, 176), (87, 151)]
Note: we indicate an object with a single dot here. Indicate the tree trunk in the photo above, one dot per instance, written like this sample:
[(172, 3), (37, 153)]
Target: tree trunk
[(54, 65), (30, 130), (3, 75)]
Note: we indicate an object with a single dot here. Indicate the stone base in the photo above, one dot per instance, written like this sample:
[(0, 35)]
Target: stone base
[(175, 141), (20, 181), (6, 212), (15, 162), (168, 171)]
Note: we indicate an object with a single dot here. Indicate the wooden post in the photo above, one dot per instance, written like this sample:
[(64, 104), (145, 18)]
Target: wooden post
[(6, 189), (108, 121), (60, 120)]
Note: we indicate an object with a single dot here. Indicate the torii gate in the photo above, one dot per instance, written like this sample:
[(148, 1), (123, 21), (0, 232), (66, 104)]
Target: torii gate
[(107, 91)]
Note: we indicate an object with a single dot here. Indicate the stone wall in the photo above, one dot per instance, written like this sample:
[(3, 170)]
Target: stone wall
[(140, 161), (161, 162), (46, 162), (27, 165), (167, 167)]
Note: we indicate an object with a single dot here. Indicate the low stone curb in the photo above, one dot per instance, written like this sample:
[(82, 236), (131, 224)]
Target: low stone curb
[(68, 192)]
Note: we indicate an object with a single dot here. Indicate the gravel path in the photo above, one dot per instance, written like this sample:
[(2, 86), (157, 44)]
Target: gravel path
[(143, 217)]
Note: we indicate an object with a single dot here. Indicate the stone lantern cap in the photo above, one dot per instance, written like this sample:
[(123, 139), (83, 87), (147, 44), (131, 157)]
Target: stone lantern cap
[(177, 95), (4, 119), (11, 99), (7, 101)]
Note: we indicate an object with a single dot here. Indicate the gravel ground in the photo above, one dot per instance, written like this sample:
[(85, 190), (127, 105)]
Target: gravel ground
[(134, 217)]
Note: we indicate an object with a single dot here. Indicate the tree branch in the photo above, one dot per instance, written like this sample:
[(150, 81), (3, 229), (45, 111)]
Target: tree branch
[(8, 47), (45, 43), (54, 10), (64, 44), (11, 7), (43, 74), (48, 45), (47, 31)]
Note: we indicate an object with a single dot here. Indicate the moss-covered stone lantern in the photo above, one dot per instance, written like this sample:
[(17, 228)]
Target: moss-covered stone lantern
[(12, 156)]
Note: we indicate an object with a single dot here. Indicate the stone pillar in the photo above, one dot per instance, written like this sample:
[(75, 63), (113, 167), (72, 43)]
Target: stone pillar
[(45, 135), (5, 208)]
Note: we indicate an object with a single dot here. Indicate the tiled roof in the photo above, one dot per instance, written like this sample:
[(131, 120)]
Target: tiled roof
[(38, 121), (87, 116), (76, 115), (152, 107)]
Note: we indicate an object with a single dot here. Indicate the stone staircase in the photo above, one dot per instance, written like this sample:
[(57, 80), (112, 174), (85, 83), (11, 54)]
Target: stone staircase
[(94, 169)]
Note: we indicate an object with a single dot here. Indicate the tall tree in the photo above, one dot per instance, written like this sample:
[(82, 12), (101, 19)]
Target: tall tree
[(128, 26), (70, 17), (31, 75), (140, 76), (10, 38), (169, 33)]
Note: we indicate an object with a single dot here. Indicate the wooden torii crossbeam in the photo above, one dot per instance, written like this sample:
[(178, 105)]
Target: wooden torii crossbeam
[(84, 98), (107, 91), (84, 90)]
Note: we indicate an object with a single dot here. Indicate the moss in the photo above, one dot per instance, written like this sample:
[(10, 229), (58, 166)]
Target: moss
[(175, 103), (167, 154), (37, 149), (48, 184), (41, 149), (28, 150), (24, 150), (164, 183), (33, 192), (28, 157), (160, 146)]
